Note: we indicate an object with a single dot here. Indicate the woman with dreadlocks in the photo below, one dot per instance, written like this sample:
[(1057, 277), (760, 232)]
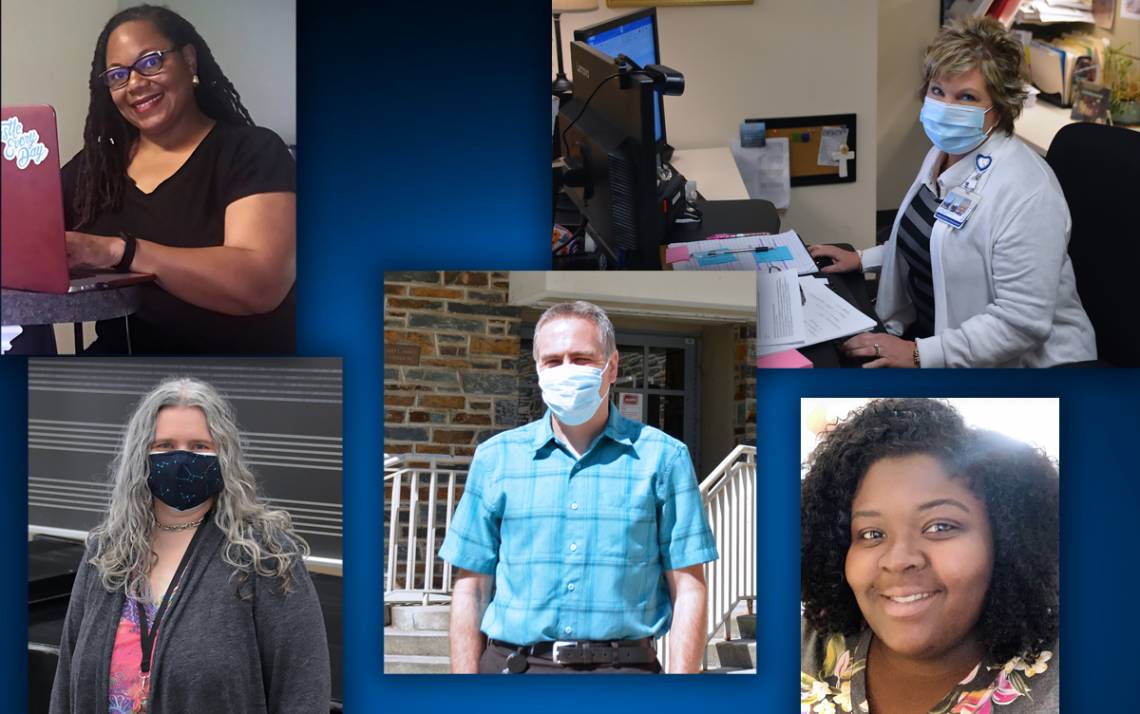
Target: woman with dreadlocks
[(174, 179)]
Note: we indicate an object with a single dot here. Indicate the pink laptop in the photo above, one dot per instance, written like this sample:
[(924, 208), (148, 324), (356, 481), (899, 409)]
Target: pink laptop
[(34, 250)]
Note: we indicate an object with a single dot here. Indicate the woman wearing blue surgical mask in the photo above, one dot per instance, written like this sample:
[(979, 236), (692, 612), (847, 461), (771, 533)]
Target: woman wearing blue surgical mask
[(193, 594), (976, 272)]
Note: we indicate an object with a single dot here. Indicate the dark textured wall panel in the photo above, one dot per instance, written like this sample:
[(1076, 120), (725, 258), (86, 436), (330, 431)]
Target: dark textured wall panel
[(289, 412)]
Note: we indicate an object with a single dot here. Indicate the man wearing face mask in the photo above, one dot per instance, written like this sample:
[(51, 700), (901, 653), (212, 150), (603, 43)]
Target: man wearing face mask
[(581, 537), (976, 272)]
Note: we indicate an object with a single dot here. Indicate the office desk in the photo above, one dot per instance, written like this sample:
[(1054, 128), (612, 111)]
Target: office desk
[(723, 200), (1039, 123), (714, 170), (19, 307)]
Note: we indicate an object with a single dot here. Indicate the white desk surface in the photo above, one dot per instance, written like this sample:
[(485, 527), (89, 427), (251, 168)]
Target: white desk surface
[(714, 170), (1038, 124)]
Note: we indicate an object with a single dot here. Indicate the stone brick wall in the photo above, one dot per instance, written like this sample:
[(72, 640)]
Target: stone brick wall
[(465, 387), (744, 424)]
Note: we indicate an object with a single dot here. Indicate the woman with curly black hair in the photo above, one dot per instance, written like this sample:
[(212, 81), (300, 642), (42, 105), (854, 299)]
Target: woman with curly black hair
[(929, 567), (175, 180)]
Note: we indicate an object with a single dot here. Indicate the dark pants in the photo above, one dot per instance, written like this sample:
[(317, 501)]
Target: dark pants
[(494, 661)]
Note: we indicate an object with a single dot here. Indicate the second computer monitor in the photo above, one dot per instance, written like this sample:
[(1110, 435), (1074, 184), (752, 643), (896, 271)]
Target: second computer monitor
[(635, 36)]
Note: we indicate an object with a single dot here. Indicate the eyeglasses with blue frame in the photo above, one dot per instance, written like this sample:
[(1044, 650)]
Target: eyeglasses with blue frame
[(148, 65)]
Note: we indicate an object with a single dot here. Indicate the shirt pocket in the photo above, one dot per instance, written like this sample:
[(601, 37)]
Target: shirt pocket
[(628, 534)]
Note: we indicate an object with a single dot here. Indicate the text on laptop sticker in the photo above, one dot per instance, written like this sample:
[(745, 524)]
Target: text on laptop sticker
[(23, 147)]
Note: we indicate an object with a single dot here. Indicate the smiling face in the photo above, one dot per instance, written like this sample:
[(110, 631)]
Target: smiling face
[(157, 103), (965, 89), (179, 428), (921, 556)]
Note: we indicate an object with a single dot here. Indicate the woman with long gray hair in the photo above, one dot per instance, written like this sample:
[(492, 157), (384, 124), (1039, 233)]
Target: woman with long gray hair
[(193, 594)]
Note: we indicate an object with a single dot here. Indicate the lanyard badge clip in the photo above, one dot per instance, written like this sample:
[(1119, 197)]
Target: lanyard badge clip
[(961, 202)]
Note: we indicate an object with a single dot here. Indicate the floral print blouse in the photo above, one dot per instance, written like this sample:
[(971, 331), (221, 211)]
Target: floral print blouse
[(833, 681), (127, 691)]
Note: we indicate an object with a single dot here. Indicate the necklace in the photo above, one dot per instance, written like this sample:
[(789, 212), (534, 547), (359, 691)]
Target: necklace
[(181, 526)]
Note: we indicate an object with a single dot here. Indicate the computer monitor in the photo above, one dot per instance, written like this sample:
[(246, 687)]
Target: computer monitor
[(607, 135), (635, 36)]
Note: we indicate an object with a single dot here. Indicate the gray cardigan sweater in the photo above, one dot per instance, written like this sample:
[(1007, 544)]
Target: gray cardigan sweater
[(215, 652)]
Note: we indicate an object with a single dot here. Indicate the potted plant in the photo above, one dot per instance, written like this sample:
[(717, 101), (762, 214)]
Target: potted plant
[(1123, 78)]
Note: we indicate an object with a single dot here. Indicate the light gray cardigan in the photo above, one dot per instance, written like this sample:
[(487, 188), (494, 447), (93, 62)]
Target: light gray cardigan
[(216, 652), (1004, 290)]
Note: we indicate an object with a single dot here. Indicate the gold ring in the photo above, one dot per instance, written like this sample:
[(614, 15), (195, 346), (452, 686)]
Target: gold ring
[(877, 353)]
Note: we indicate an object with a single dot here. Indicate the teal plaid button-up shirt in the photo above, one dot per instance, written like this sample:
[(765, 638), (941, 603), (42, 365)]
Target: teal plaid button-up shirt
[(579, 547)]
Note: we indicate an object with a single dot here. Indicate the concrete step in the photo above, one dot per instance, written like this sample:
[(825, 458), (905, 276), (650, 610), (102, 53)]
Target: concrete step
[(416, 664), (415, 642), (415, 597), (734, 653), (421, 617), (729, 670), (737, 628), (387, 614), (746, 626)]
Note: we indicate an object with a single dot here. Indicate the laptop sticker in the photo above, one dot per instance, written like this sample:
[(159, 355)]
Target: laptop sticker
[(23, 147)]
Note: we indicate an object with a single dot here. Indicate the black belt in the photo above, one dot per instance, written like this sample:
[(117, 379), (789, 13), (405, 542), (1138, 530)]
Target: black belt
[(588, 651)]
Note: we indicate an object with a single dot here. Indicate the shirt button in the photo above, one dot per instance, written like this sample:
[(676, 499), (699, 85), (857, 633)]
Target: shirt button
[(570, 586), (574, 506), (568, 630), (573, 547)]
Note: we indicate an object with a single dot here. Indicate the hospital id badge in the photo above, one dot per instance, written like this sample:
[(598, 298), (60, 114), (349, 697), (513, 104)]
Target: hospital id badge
[(957, 207)]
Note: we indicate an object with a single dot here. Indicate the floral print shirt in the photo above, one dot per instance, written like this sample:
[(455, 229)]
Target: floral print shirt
[(833, 680), (127, 690)]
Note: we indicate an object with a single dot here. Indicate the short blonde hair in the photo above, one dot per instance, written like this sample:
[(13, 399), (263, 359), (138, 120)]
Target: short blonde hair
[(984, 43)]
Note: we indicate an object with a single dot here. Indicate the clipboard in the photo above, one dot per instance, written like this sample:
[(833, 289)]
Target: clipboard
[(804, 135)]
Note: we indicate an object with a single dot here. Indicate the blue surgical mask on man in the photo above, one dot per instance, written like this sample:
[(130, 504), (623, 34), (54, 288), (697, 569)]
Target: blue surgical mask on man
[(572, 391), (954, 128)]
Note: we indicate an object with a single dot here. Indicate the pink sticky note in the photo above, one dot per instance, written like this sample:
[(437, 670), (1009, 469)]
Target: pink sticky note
[(788, 359), (676, 253)]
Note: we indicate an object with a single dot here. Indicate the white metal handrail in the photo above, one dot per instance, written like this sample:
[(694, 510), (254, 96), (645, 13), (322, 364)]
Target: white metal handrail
[(729, 494), (415, 491)]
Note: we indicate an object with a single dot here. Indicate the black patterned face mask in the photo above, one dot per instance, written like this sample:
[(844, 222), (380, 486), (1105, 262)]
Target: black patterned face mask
[(184, 479)]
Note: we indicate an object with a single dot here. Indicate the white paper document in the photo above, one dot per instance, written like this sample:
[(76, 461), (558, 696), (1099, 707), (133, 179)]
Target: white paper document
[(745, 251), (765, 170), (830, 142), (827, 316), (779, 312)]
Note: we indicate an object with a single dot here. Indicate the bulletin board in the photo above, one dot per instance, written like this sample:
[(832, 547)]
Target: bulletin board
[(804, 135)]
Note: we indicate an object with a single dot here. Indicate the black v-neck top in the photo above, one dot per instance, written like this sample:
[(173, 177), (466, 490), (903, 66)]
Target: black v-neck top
[(188, 210)]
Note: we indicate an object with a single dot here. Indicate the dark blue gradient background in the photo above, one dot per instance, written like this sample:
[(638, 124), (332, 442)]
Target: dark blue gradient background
[(424, 140)]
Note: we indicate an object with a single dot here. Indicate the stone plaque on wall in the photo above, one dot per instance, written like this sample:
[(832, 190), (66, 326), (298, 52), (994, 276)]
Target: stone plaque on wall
[(402, 354)]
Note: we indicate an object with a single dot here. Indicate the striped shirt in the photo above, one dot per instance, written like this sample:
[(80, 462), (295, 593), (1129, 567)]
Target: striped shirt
[(579, 547), (914, 243)]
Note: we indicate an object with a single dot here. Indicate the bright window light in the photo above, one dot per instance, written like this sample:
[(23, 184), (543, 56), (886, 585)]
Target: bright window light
[(1033, 421)]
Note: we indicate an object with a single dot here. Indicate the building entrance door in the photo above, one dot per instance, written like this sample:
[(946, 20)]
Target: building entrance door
[(658, 384)]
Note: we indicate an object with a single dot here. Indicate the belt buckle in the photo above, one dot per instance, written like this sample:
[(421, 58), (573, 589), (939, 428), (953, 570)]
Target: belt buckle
[(561, 646)]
